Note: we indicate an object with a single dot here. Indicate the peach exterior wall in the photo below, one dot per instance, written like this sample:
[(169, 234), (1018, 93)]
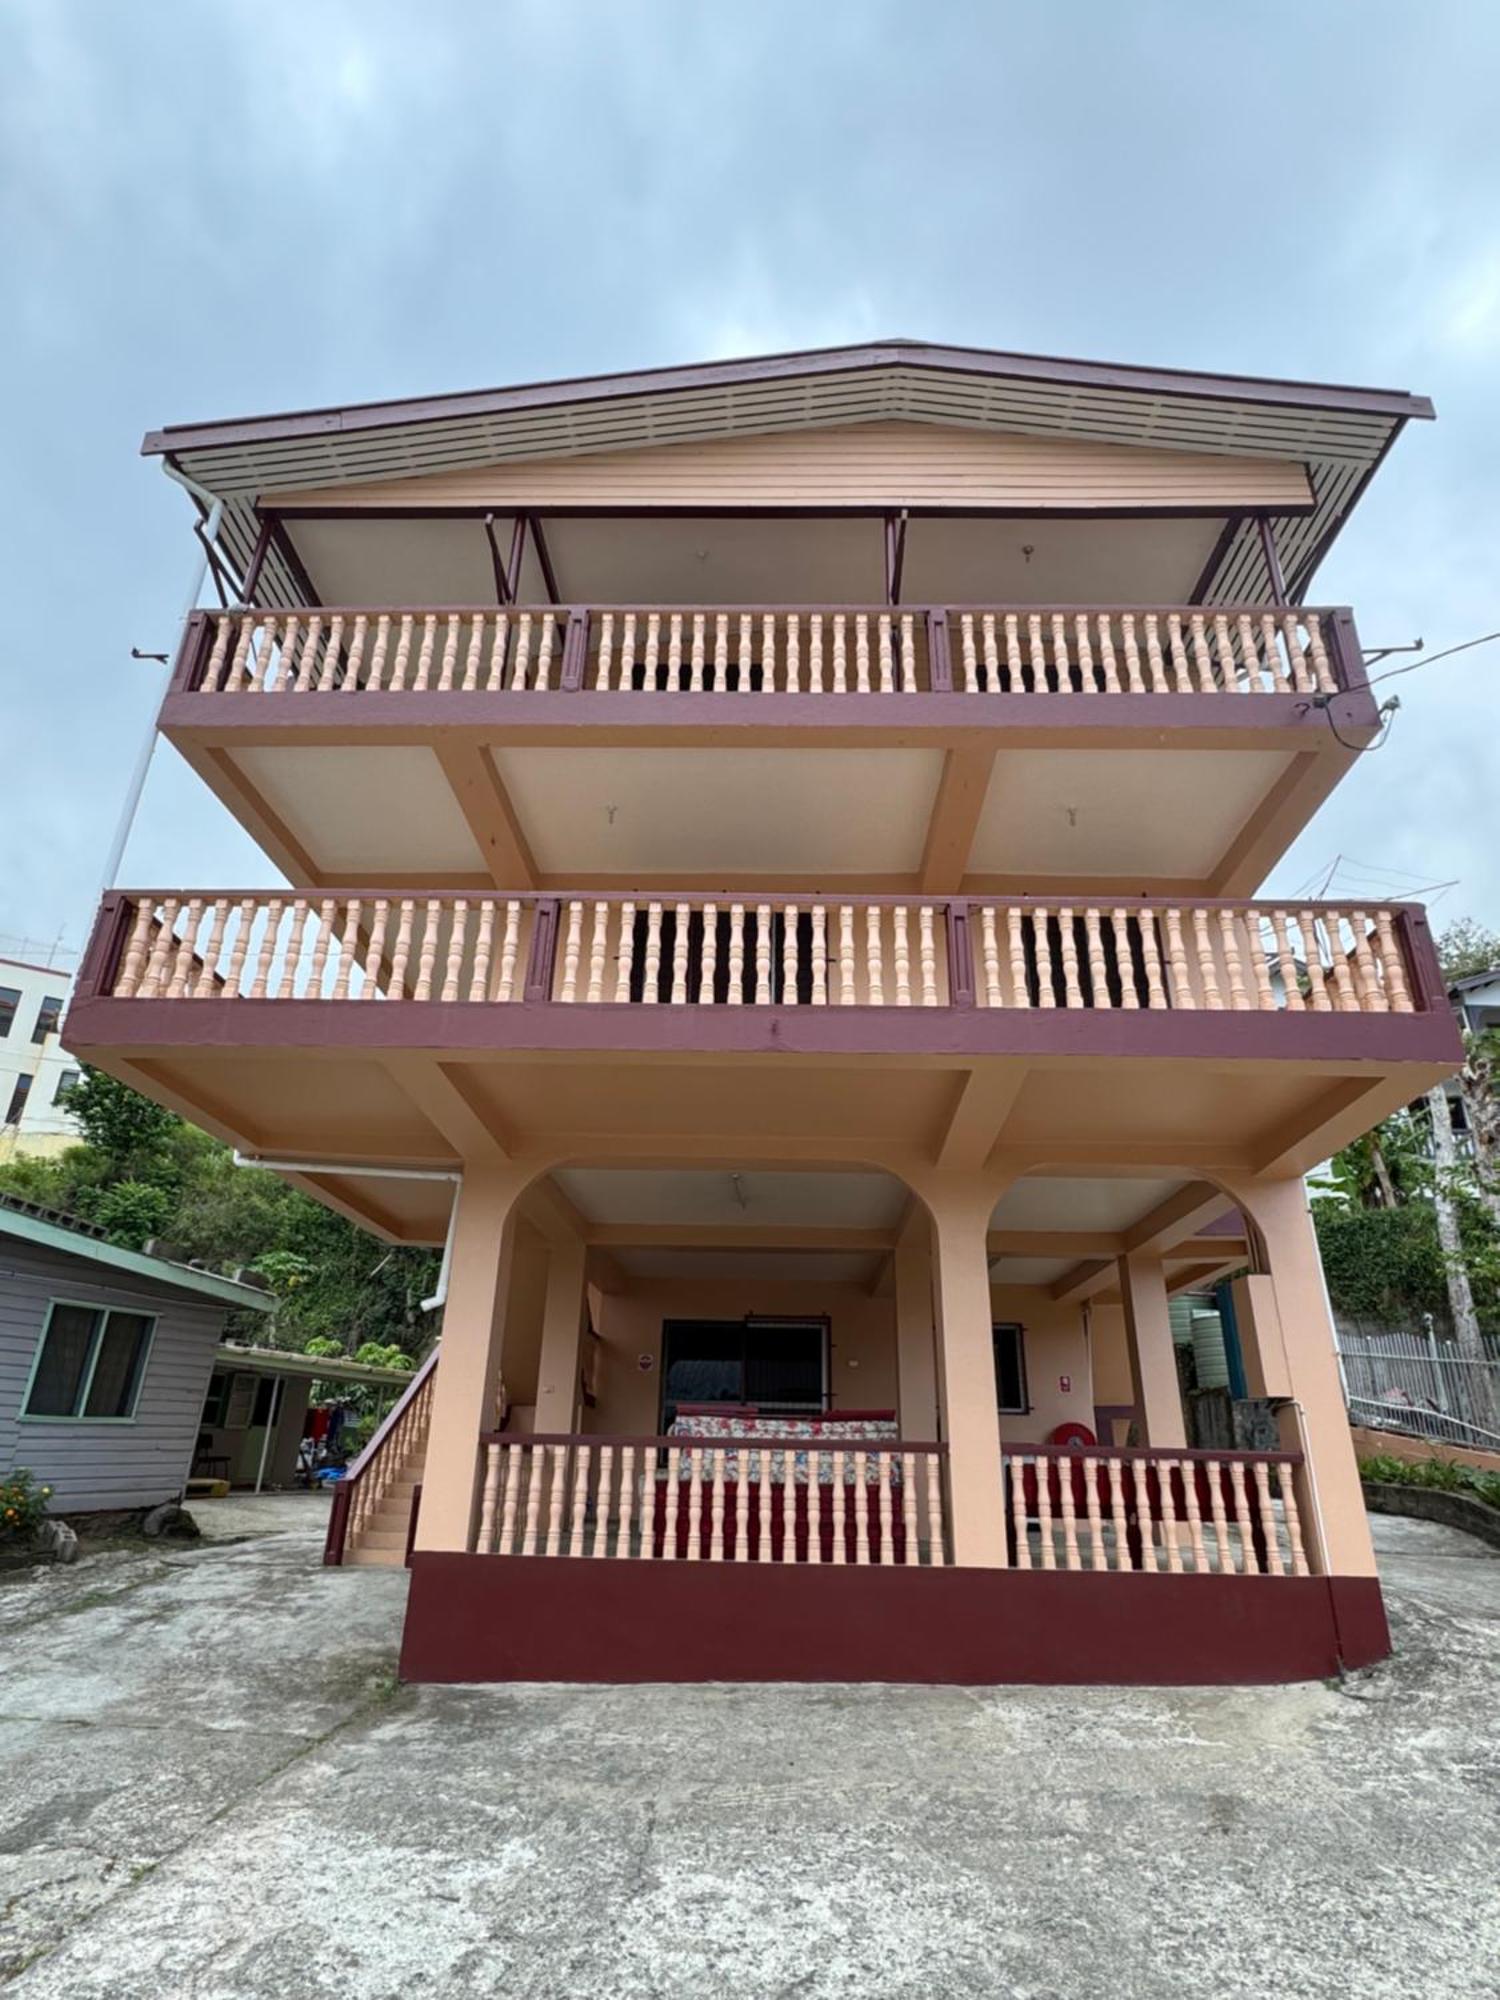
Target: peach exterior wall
[(907, 464), (863, 1342)]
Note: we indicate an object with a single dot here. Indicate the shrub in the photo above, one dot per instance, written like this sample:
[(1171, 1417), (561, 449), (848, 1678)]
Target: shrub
[(23, 1506), (1447, 1475)]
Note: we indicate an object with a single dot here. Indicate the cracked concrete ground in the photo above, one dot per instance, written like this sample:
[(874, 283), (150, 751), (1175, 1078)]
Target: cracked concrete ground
[(211, 1789)]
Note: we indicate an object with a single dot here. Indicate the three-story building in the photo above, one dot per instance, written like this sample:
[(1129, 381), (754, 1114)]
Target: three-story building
[(771, 854)]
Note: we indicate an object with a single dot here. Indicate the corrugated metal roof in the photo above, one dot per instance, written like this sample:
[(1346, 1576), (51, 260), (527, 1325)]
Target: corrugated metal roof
[(50, 1230)]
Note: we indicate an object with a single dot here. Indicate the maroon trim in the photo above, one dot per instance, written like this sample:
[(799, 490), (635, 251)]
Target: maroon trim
[(101, 958), (1216, 555), (960, 956), (537, 990), (543, 556), (662, 1442), (258, 559), (540, 1618), (1271, 559), (861, 359), (538, 1025), (868, 510)]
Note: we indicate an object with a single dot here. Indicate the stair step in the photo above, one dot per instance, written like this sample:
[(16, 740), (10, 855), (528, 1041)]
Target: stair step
[(363, 1558)]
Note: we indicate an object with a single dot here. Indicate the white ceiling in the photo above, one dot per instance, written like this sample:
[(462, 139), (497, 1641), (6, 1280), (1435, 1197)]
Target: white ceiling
[(359, 807), (1029, 1270), (764, 1200), (1042, 1202), (770, 1267)]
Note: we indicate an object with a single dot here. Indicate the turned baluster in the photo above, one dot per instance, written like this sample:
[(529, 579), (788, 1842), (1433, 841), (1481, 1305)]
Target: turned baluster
[(742, 1507), (840, 1497), (651, 968), (347, 941), (1202, 659), (763, 995), (557, 1456), (322, 939), (450, 656), (840, 655), (1014, 1469), (1117, 1515), (1265, 1515), (885, 654), (1020, 990), (861, 653), (1223, 1556), (572, 953), (937, 1555), (1293, 1518), (653, 650), (1253, 952), (883, 1463), (682, 916), (1107, 663), (458, 931), (1366, 971), (991, 655), (1182, 985), (427, 952), (908, 653), (182, 963), (378, 652), (521, 664), (1181, 674), (598, 953), (1130, 641), (765, 1507), (902, 956), (515, 1473), (861, 1511), (1272, 636), (674, 652), (627, 1500), (1153, 655), (490, 1502), (696, 655), (789, 955), (747, 655), (848, 973), (1190, 1508), (736, 994), (1090, 1470), (207, 978), (479, 977), (510, 949), (819, 956), (709, 958), (1306, 926), (1229, 677), (1098, 968), (721, 654), (1243, 1522), (1072, 1558), (1203, 942), (648, 1504), (546, 650), (269, 939), (1392, 964), (286, 980), (910, 1552), (1119, 926), (1283, 931), (990, 959), (1322, 672), (874, 968), (1015, 671), (814, 1505), (580, 1500), (602, 1499), (792, 641), (1347, 1000), (265, 665), (236, 677), (927, 954), (424, 655), (969, 656), (473, 656), (625, 960), (815, 654), (1044, 1511), (1143, 1517), (1072, 989), (695, 1504), (606, 652), (235, 967), (403, 653), (223, 625), (768, 654)]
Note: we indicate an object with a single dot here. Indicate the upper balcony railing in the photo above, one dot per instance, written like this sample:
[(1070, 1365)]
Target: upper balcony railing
[(1019, 955), (830, 650)]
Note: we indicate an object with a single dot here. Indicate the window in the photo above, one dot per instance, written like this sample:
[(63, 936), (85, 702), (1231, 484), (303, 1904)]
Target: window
[(774, 1364), (1010, 1370), (47, 1017), (89, 1364), (10, 1000), (216, 1403), (67, 1083), (18, 1099)]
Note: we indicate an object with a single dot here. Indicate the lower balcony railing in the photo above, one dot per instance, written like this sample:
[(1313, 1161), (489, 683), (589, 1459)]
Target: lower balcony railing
[(776, 1500), (1020, 953), (1183, 1513)]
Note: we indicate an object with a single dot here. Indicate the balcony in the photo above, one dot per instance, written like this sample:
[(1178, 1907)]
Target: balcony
[(1251, 1034), (939, 749)]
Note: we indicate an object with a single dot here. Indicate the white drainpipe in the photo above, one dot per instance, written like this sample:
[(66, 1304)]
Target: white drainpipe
[(440, 1296)]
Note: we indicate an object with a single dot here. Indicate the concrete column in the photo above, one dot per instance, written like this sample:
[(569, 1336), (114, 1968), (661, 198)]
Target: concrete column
[(916, 1345), (464, 1381), (557, 1378), (1153, 1364), (966, 1379), (1287, 1340)]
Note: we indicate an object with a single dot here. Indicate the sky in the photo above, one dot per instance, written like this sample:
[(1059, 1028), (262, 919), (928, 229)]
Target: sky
[(209, 211)]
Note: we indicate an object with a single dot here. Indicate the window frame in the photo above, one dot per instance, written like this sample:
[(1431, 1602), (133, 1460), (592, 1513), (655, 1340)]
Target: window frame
[(20, 1097), (39, 1031), (1024, 1407), (10, 1009), (103, 1314)]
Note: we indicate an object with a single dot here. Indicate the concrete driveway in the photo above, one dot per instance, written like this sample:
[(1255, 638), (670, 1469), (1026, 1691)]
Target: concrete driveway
[(212, 1788)]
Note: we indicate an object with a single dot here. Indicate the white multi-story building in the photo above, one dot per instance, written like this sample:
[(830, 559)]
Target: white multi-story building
[(36, 1073)]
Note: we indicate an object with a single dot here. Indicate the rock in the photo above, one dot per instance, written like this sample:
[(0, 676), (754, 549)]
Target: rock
[(59, 1540), (171, 1520)]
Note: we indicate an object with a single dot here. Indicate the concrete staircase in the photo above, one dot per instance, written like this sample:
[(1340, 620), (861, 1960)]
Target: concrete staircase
[(380, 1541)]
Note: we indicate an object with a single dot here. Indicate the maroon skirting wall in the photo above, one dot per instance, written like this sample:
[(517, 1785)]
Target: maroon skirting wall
[(540, 1618)]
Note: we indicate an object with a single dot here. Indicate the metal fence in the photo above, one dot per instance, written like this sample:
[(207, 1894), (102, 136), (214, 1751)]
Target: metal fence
[(1419, 1384)]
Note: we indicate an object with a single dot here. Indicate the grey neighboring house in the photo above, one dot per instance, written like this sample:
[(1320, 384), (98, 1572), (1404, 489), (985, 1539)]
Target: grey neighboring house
[(105, 1359)]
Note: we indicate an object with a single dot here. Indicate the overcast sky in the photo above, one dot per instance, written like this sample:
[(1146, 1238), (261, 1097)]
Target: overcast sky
[(209, 211)]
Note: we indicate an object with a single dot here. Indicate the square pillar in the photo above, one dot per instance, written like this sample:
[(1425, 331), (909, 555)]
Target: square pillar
[(463, 1384), (1286, 1337), (557, 1375), (1153, 1363), (916, 1346), (966, 1380)]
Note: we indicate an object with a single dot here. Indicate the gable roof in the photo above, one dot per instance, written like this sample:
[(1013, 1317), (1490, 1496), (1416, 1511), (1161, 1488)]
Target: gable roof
[(49, 1230), (1341, 433)]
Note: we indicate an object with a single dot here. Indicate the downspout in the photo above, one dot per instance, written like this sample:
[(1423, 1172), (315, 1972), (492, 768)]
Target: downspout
[(440, 1295)]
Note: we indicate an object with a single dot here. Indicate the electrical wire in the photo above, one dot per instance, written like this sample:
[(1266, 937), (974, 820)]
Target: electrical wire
[(1431, 659)]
